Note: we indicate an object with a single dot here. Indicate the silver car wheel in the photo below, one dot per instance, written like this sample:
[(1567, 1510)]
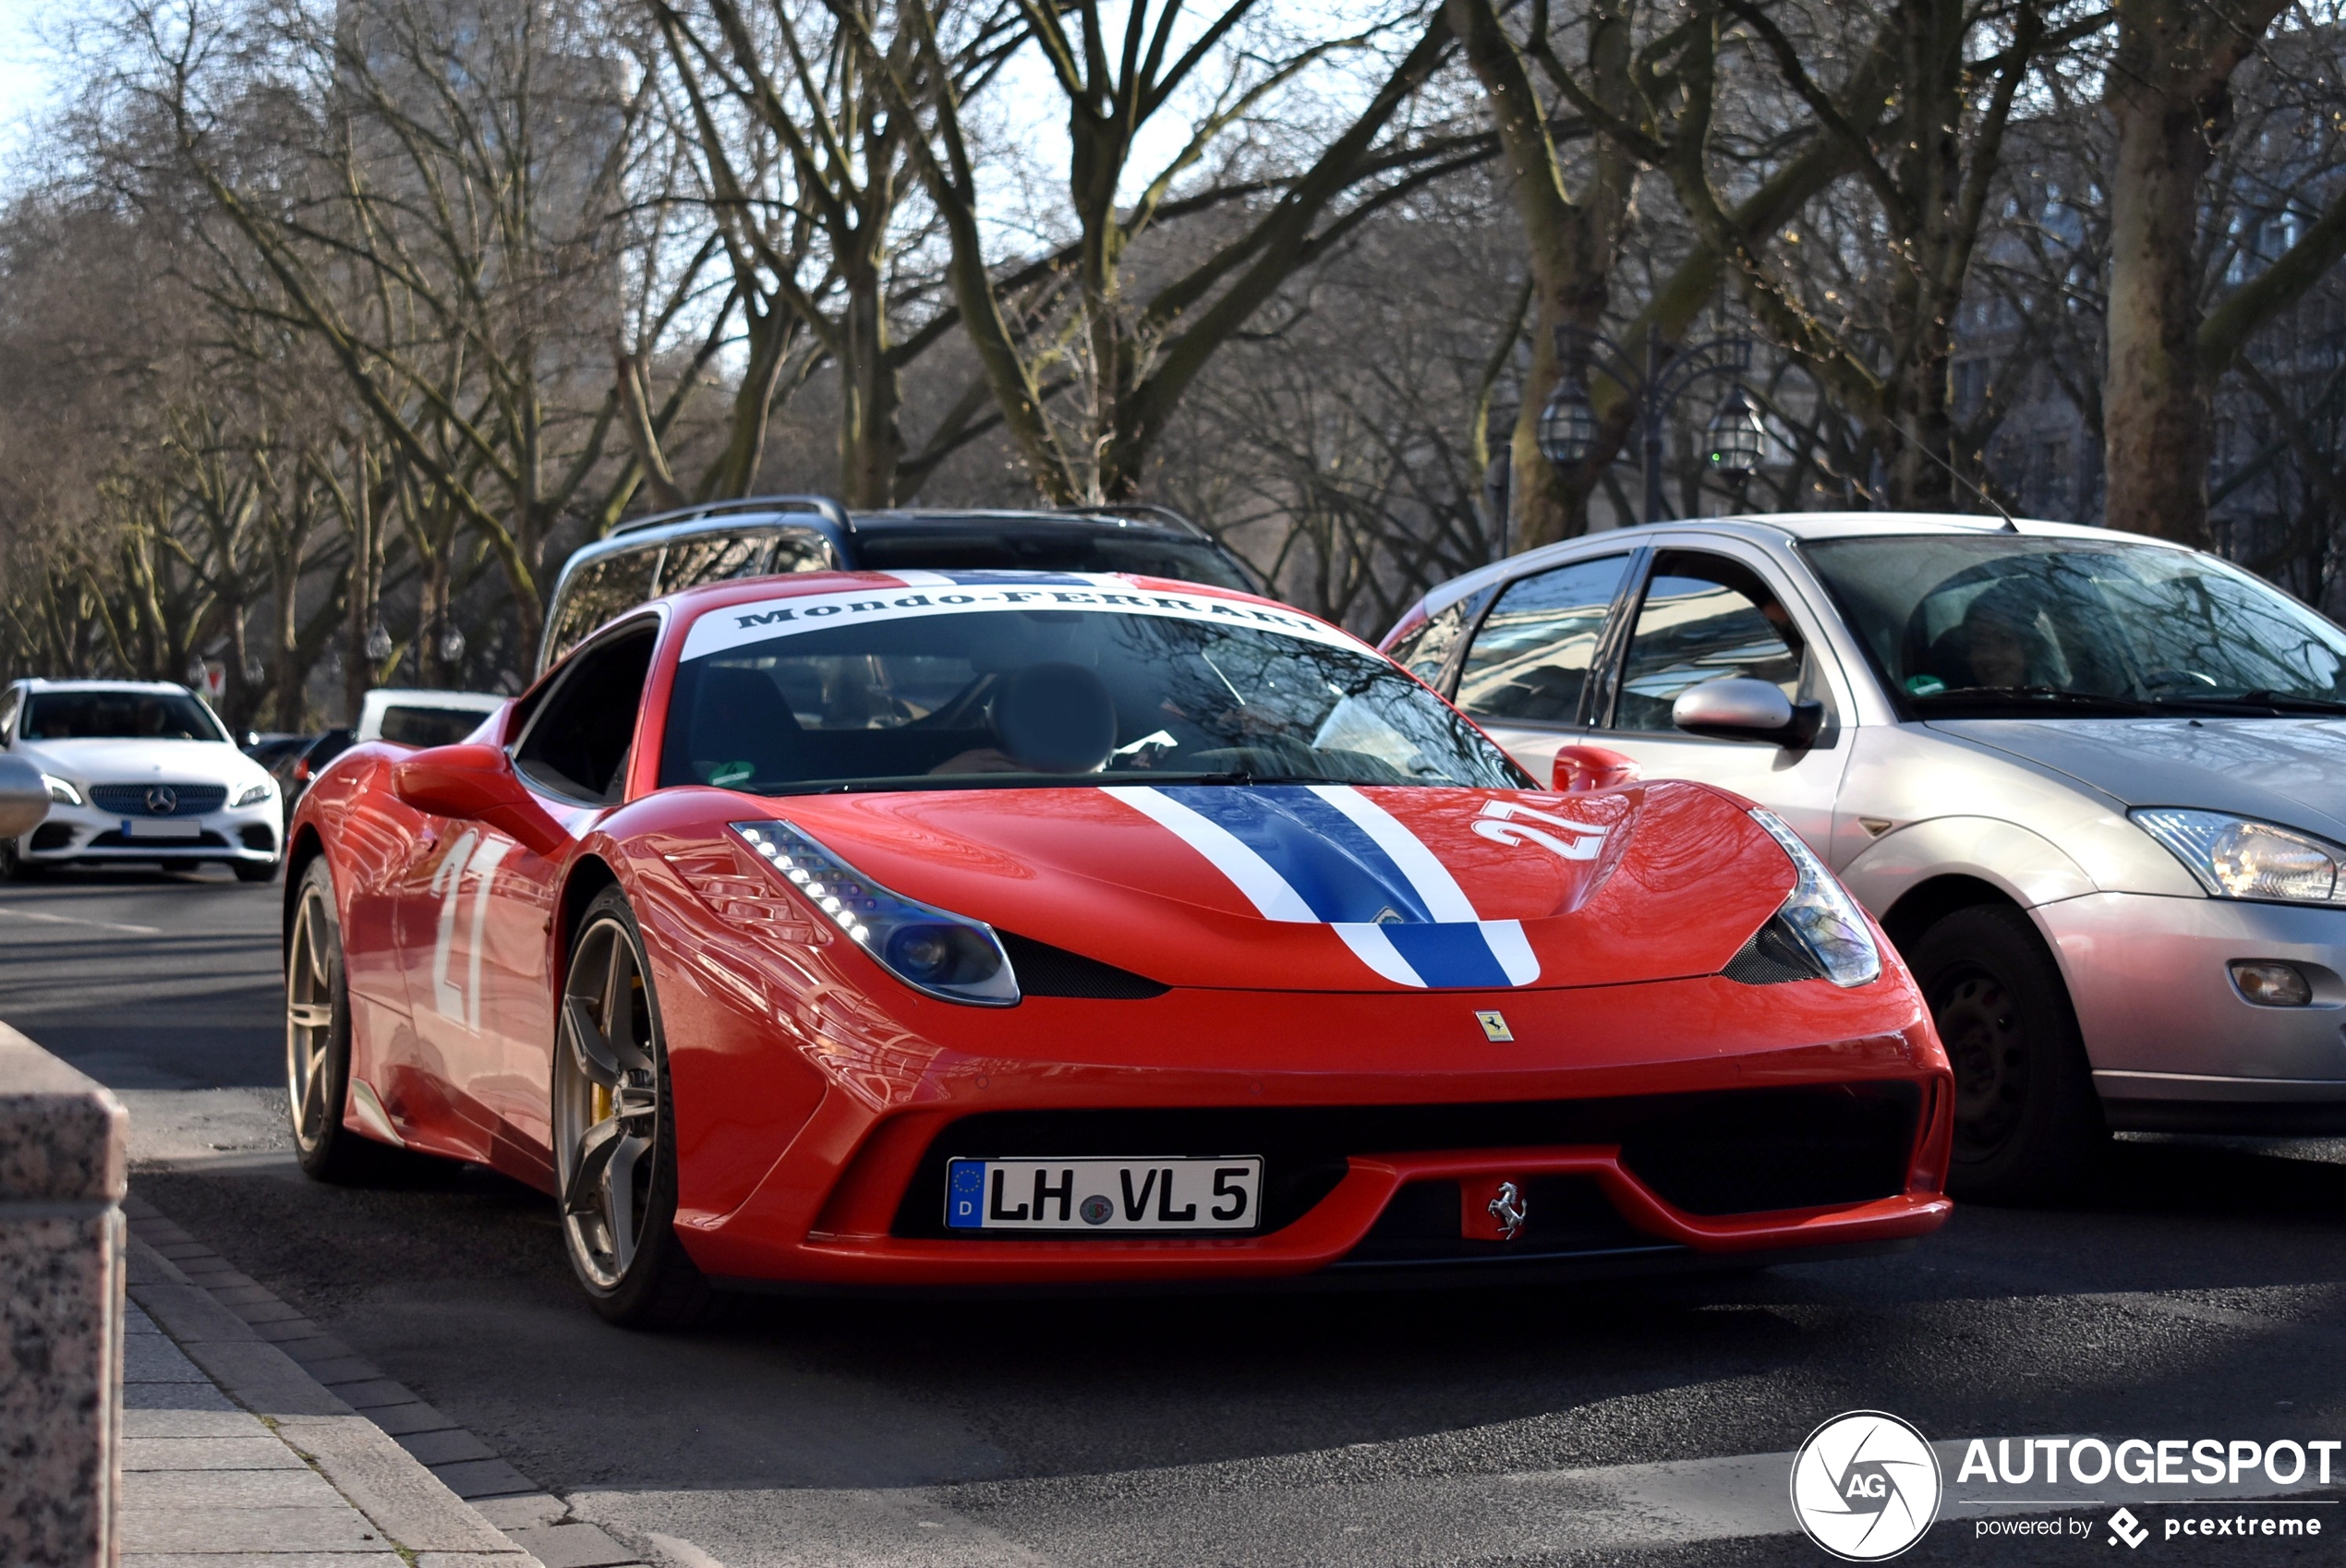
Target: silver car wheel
[(310, 1019), (606, 1103)]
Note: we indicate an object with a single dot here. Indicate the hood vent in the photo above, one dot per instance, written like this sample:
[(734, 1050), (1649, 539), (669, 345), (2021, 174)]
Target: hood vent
[(1046, 970)]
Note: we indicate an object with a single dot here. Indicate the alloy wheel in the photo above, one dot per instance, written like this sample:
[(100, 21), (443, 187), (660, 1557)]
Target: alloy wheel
[(606, 1102), (309, 1018)]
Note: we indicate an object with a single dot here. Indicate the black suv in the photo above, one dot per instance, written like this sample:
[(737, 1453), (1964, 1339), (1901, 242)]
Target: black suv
[(767, 535)]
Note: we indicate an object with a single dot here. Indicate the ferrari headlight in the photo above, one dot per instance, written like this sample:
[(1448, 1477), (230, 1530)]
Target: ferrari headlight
[(1820, 913), (2237, 857), (931, 950), (256, 794), (61, 790)]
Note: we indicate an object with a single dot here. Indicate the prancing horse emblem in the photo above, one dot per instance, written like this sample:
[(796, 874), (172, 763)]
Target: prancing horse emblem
[(162, 801), (1510, 1209)]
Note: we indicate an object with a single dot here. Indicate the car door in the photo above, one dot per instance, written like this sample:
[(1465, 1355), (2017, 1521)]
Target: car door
[(1708, 612), (1525, 676), (481, 904)]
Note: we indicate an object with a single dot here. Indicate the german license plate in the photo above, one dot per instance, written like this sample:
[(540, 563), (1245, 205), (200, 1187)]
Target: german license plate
[(160, 828), (1104, 1195)]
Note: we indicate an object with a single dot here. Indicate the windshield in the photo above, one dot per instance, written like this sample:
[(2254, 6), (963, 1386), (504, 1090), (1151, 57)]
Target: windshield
[(2006, 626), (118, 716), (1014, 682), (973, 549)]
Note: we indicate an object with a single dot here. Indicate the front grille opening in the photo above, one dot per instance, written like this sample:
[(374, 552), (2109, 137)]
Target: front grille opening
[(1046, 970), (257, 836), (52, 836), (133, 800), (1563, 1216), (1737, 1152)]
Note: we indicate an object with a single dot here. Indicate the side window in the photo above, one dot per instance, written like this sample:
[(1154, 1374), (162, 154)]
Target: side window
[(1531, 659), (600, 592), (578, 746), (1705, 618), (716, 558), (1425, 653), (800, 550)]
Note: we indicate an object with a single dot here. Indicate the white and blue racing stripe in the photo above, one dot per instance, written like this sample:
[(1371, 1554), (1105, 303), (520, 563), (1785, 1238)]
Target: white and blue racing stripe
[(1326, 854)]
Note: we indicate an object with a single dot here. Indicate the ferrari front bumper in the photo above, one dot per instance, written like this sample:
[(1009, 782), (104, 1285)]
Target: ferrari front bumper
[(1641, 1118)]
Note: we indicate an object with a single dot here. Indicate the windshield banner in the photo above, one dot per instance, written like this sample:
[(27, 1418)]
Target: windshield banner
[(964, 593)]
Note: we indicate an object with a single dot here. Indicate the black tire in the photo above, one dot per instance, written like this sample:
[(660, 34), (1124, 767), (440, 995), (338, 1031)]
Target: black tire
[(317, 1063), (255, 871), (2028, 1125), (13, 867), (614, 1130)]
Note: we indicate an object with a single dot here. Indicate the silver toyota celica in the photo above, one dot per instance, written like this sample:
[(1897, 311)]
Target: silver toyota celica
[(2092, 786)]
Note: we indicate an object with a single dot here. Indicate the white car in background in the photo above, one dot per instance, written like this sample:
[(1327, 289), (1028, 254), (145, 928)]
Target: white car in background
[(137, 771), (417, 718), (2093, 785)]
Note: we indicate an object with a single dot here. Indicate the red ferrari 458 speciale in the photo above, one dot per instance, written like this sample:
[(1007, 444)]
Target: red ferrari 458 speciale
[(984, 929)]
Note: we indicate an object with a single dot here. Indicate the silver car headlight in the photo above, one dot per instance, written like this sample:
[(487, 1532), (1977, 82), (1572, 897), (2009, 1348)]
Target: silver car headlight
[(1822, 915), (62, 791), (2238, 857), (254, 795), (932, 950)]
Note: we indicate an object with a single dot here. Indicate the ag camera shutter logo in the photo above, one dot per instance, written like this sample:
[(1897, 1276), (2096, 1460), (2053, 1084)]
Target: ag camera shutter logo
[(1866, 1486)]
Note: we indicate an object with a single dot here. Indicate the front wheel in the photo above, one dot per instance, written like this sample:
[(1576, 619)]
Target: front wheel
[(614, 1130), (13, 867), (2028, 1125), (318, 1038)]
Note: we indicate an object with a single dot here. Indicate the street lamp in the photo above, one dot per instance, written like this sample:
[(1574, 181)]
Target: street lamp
[(1568, 424), (379, 643), (1738, 438), (452, 645), (1654, 390)]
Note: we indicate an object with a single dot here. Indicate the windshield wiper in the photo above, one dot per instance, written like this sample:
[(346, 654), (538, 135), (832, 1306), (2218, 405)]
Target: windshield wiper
[(1991, 696), (2289, 702)]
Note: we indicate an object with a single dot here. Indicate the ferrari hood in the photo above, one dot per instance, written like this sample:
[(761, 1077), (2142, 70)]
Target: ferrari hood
[(1331, 887)]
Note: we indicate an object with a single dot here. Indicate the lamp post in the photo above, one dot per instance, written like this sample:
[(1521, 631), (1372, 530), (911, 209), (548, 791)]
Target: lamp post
[(1568, 424)]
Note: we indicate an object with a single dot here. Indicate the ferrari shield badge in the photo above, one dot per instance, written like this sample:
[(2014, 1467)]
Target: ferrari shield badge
[(1494, 1026)]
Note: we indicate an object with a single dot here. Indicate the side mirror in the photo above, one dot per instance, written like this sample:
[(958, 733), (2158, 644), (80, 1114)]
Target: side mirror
[(1740, 708), (24, 798), (474, 783), (1578, 768)]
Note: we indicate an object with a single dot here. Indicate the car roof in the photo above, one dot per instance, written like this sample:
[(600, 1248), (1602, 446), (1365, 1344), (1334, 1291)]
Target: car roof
[(36, 683), (1776, 528), (417, 696)]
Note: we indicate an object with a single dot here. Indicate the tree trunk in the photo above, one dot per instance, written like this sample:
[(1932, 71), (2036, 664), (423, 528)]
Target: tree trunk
[(871, 440), (2170, 95), (2155, 403)]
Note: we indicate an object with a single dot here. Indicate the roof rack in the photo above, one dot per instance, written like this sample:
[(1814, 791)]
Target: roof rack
[(822, 506), (1143, 511)]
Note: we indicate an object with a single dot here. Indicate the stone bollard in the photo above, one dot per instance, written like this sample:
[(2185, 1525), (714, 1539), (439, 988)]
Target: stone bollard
[(62, 1176)]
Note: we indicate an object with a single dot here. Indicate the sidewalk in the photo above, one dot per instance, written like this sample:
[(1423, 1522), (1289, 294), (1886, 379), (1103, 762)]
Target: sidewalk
[(252, 1438), (233, 1456)]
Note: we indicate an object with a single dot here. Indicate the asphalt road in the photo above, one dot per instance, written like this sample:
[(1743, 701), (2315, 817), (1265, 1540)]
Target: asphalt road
[(2200, 1293)]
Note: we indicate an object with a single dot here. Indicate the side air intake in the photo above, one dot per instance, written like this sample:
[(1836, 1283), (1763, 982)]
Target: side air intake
[(1772, 956)]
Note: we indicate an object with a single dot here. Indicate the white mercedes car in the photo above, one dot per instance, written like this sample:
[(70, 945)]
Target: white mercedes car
[(137, 771)]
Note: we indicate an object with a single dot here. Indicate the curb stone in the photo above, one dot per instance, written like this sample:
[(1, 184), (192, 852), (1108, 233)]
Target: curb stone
[(430, 1483)]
